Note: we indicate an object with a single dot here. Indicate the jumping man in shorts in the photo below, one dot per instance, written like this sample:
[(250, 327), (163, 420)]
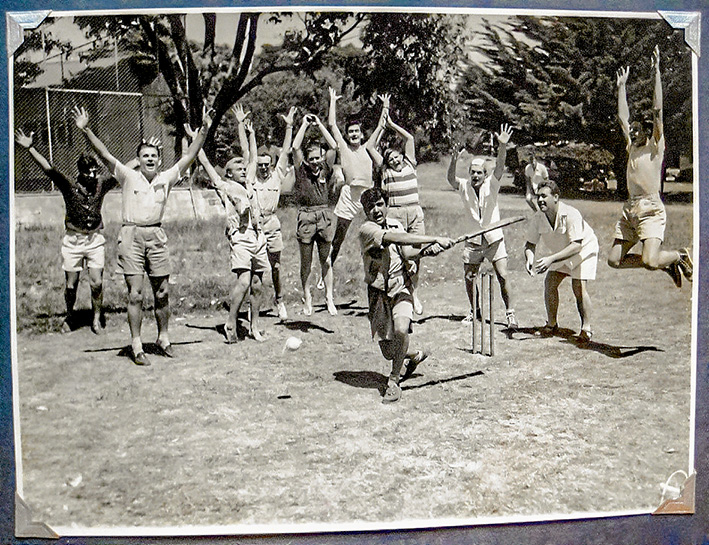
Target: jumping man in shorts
[(644, 215), (247, 243), (142, 242), (479, 194), (83, 242), (269, 182), (385, 248), (314, 184), (575, 254)]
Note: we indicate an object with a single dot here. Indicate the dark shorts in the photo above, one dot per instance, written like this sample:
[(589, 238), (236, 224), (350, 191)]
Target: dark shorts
[(315, 224), (143, 250)]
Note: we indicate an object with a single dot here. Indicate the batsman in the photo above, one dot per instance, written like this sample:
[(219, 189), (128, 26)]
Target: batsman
[(385, 248)]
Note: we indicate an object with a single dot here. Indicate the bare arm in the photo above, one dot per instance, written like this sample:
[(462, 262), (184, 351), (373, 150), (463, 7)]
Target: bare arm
[(27, 142), (332, 144), (332, 119), (544, 263), (503, 137), (81, 118), (452, 167), (623, 110), (191, 154), (298, 143), (376, 136), (241, 115), (529, 251), (282, 163), (409, 144), (657, 96)]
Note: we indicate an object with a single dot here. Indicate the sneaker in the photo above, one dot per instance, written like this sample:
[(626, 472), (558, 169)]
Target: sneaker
[(282, 312), (685, 264), (675, 273), (511, 319), (414, 362), (392, 394), (230, 334), (584, 337), (548, 330)]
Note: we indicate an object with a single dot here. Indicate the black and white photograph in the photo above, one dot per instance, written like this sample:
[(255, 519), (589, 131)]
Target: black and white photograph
[(303, 269)]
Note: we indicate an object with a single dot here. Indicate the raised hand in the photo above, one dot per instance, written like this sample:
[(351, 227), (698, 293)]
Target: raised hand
[(189, 131), (655, 61), (505, 134), (238, 111), (385, 98), (333, 95), (311, 119), (622, 76), (24, 140), (207, 114), (249, 126), (81, 117), (155, 142), (291, 115)]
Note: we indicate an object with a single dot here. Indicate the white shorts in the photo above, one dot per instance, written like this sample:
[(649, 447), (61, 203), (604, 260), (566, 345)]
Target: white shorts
[(578, 267), (348, 205), (79, 249), (475, 254)]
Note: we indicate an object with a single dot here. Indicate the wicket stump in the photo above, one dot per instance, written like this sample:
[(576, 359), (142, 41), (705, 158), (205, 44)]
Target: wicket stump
[(483, 295)]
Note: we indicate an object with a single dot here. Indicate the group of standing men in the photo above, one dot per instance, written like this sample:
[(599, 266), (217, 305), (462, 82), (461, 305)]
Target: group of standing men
[(392, 238)]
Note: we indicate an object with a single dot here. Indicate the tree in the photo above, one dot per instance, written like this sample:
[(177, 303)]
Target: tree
[(554, 79)]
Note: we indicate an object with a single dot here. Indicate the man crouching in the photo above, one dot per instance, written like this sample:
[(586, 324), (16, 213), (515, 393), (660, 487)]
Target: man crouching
[(385, 248)]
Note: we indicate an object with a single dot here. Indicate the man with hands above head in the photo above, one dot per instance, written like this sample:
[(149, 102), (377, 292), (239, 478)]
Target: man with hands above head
[(142, 242)]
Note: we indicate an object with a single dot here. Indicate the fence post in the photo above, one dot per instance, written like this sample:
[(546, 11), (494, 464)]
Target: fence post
[(49, 130)]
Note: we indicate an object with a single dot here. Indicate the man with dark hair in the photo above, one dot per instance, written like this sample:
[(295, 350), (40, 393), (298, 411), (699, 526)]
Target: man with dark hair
[(83, 243), (534, 173), (142, 242), (314, 185), (574, 248), (644, 215), (385, 248)]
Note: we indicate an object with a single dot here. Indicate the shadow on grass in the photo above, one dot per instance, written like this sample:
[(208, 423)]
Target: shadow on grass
[(442, 380), (568, 336), (304, 326), (377, 381), (150, 348), (347, 309)]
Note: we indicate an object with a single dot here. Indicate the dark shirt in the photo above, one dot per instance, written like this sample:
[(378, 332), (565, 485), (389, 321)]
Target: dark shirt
[(313, 191), (83, 208)]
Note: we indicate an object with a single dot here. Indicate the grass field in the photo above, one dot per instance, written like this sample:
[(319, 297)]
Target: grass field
[(250, 434)]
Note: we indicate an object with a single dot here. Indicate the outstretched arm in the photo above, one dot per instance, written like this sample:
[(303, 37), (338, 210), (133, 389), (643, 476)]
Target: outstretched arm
[(282, 163), (623, 110), (409, 144), (81, 118), (332, 118), (213, 175), (332, 144), (298, 142), (27, 142), (252, 163), (452, 167), (503, 137), (657, 96), (376, 136), (241, 115), (191, 154)]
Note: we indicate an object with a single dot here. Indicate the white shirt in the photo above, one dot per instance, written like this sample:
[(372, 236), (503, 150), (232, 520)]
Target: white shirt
[(144, 201), (482, 209), (569, 227), (536, 174)]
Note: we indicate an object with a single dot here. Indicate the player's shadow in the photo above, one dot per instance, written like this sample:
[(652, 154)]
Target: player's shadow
[(304, 326), (362, 379), (449, 317), (348, 309), (456, 378), (242, 331), (127, 351)]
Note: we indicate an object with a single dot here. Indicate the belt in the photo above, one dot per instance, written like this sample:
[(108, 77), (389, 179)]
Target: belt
[(313, 208)]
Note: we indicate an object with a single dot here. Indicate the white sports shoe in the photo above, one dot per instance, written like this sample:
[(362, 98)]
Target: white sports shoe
[(282, 312)]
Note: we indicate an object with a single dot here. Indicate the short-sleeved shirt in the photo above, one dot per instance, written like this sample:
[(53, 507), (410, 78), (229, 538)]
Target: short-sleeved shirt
[(83, 208), (357, 166), (569, 227), (536, 174), (644, 170), (401, 186), (482, 207), (144, 201), (268, 191), (384, 267), (241, 206), (310, 190)]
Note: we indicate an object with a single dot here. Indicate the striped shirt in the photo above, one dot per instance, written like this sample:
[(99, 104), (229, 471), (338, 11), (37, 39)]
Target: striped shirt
[(402, 186)]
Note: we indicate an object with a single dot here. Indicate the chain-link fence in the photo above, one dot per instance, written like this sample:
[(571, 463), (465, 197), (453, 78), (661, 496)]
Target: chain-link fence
[(120, 120)]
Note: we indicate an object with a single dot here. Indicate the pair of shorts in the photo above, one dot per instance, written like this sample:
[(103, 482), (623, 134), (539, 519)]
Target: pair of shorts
[(79, 249), (577, 267), (248, 252), (272, 231), (348, 205), (383, 310), (143, 250), (315, 224), (411, 217), (475, 254), (643, 217)]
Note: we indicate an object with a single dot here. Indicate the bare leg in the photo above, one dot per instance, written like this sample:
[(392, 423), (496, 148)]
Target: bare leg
[(238, 294), (583, 302), (135, 309), (551, 296), (326, 268), (256, 298), (162, 307), (96, 283), (500, 267), (340, 232), (274, 258), (306, 261), (471, 272), (70, 287)]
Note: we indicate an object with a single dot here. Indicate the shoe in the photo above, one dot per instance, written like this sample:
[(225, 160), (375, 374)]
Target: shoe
[(230, 334), (414, 362), (675, 273), (282, 312), (686, 266), (321, 284), (584, 337), (549, 330), (141, 358), (511, 319), (469, 319), (165, 351), (392, 394), (418, 306)]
